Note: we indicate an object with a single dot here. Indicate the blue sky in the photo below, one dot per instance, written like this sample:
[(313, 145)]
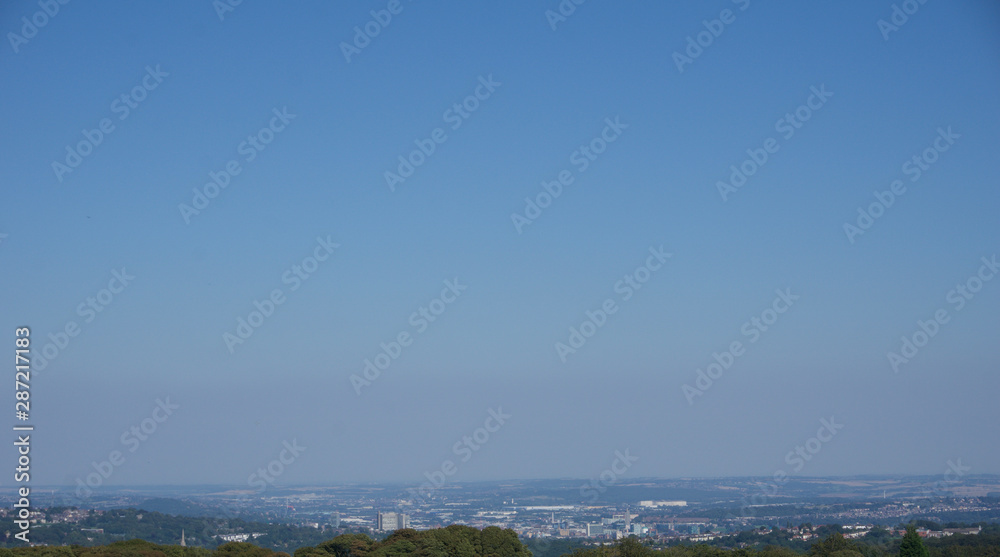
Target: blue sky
[(495, 345)]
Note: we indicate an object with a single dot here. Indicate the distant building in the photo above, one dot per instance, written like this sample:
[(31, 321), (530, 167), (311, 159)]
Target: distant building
[(688, 527), (625, 517), (392, 521), (594, 530), (932, 534), (239, 537), (662, 503), (93, 530), (966, 531)]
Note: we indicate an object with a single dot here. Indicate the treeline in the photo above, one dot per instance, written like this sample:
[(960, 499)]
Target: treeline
[(126, 524), (464, 541), (985, 544), (453, 541), (876, 543)]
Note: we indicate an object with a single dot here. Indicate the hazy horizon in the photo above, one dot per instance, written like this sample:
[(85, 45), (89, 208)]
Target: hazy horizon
[(409, 483)]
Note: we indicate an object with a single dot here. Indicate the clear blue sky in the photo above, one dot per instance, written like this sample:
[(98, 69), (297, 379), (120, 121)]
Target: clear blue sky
[(495, 345)]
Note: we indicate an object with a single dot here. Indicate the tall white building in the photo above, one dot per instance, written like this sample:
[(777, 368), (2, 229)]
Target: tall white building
[(392, 521)]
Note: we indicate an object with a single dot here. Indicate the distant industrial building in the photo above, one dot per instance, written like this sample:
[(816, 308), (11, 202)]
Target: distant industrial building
[(662, 503), (637, 529), (392, 521)]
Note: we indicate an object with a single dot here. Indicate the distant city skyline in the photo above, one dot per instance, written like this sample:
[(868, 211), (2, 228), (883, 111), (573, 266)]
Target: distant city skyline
[(546, 509)]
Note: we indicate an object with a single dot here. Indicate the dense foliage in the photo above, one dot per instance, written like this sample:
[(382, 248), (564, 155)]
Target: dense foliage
[(453, 541), (464, 541), (159, 528), (986, 544), (912, 545), (554, 547)]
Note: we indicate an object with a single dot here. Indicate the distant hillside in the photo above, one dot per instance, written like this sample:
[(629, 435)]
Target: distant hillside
[(453, 541), (125, 524), (176, 507), (465, 541)]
